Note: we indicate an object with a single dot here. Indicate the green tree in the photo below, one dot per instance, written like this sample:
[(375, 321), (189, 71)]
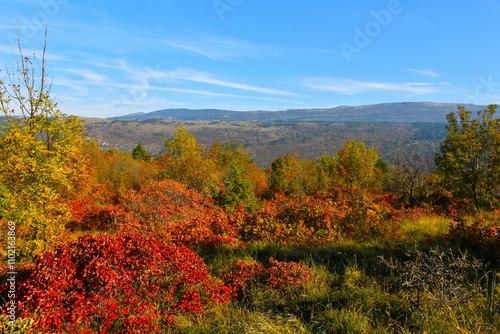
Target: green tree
[(469, 161), (286, 175), (295, 177), (239, 183), (326, 171), (238, 189), (40, 154), (359, 170), (140, 154)]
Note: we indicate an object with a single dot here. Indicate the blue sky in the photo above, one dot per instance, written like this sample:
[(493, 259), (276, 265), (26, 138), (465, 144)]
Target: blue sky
[(111, 58)]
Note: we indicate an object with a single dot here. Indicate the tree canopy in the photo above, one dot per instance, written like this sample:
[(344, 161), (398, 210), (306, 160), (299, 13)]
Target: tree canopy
[(40, 152), (469, 161)]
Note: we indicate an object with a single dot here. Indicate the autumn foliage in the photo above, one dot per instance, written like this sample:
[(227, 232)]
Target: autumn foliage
[(478, 237), (116, 242), (318, 220), (88, 215), (183, 216), (284, 276), (117, 283)]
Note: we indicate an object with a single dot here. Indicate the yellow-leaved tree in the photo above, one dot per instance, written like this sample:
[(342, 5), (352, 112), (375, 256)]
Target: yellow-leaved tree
[(188, 162), (41, 164)]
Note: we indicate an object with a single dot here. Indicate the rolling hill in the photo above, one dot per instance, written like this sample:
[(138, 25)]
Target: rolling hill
[(403, 112), (393, 128)]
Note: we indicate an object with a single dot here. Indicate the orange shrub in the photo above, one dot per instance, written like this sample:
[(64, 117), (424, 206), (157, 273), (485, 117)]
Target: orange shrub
[(317, 220), (477, 237), (180, 215)]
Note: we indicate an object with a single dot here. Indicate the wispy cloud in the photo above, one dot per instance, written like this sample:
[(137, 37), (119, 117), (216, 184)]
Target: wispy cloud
[(130, 88), (4, 26), (87, 75), (8, 49), (63, 81), (69, 98), (352, 87), (207, 93), (220, 48), (425, 72), (206, 78)]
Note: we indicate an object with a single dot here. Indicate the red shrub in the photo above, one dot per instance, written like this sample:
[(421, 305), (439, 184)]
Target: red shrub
[(243, 275), (318, 220), (477, 237), (409, 214), (116, 283), (287, 222), (164, 201), (212, 227), (87, 215), (182, 216), (276, 275), (284, 275)]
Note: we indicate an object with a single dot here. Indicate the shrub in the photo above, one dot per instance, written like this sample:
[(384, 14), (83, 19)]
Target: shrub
[(181, 215), (450, 277), (477, 237), (20, 326), (287, 222), (318, 220), (125, 282), (87, 215), (285, 276)]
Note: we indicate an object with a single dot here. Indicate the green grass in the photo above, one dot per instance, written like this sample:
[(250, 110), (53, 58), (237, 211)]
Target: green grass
[(424, 229), (350, 291)]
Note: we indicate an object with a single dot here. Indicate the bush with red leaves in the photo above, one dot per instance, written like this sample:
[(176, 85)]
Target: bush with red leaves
[(478, 238), (87, 215), (180, 215), (318, 220), (127, 282), (284, 276)]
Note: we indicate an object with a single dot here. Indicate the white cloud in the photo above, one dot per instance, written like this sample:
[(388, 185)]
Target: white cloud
[(352, 87), (425, 72), (12, 27), (220, 48), (86, 74), (8, 49), (207, 93), (68, 98), (68, 83), (205, 78)]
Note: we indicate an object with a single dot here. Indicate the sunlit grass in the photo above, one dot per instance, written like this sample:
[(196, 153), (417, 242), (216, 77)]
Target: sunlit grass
[(424, 228), (235, 319)]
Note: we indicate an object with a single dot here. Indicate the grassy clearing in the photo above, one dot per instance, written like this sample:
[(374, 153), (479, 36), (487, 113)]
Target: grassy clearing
[(424, 228), (353, 291)]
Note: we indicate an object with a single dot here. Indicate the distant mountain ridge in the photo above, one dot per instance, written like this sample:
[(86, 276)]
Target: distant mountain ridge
[(399, 112)]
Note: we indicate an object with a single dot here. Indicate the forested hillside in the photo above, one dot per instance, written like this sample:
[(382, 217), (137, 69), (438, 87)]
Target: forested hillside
[(267, 141), (403, 112)]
